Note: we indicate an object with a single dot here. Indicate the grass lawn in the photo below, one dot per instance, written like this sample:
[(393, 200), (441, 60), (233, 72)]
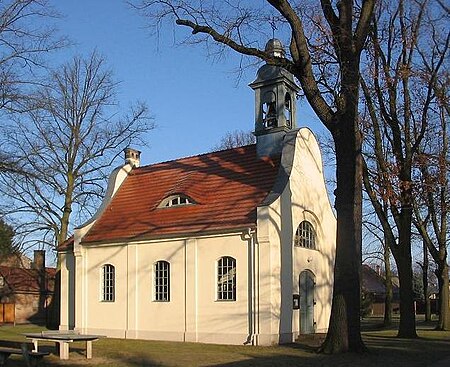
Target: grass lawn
[(384, 350)]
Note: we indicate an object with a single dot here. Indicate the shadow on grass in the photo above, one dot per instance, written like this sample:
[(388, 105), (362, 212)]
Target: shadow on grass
[(385, 350), (374, 323)]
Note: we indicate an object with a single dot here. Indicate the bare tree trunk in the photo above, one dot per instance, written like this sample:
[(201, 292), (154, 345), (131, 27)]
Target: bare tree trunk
[(388, 284), (444, 306), (344, 328), (426, 297), (407, 327)]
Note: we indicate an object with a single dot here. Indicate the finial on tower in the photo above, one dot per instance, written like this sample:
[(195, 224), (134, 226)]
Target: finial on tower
[(275, 48)]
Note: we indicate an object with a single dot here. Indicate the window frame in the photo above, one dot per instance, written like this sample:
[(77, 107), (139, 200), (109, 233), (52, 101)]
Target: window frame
[(161, 281), (222, 270), (305, 236), (176, 200), (108, 283)]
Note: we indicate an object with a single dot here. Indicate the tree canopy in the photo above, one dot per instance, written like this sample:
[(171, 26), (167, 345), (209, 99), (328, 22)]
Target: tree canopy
[(64, 143)]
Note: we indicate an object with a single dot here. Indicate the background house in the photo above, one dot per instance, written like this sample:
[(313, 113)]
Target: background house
[(373, 284), (26, 289)]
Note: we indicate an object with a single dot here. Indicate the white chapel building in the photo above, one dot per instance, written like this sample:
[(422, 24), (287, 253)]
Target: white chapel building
[(233, 247)]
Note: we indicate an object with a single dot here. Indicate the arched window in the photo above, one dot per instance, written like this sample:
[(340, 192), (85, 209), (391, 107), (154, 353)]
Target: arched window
[(305, 236), (288, 110), (108, 283), (269, 110), (162, 281), (226, 279)]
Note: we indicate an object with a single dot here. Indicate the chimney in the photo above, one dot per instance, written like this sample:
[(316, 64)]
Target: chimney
[(39, 260), (39, 265), (132, 156)]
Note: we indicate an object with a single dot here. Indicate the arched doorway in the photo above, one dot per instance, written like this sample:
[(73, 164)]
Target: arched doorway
[(307, 284)]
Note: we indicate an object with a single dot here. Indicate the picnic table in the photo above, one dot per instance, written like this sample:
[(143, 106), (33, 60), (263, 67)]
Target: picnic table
[(63, 338)]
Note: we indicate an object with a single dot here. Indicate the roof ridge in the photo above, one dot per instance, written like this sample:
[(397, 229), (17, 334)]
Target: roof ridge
[(195, 156)]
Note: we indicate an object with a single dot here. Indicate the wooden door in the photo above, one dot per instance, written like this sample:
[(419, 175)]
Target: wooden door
[(7, 313)]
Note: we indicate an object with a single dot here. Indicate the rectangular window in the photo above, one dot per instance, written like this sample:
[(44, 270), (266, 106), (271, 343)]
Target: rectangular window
[(108, 283), (162, 281)]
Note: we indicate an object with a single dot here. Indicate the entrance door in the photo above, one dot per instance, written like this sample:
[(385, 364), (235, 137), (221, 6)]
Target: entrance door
[(306, 302)]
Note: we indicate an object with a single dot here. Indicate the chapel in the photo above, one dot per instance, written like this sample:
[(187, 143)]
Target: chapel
[(232, 247)]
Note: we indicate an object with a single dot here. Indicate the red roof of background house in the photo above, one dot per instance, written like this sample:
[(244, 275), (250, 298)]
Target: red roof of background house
[(226, 186), (373, 281), (26, 280), (67, 245)]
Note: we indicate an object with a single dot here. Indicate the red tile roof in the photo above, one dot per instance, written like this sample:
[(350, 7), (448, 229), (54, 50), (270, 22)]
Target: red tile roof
[(19, 280), (67, 245), (373, 282), (226, 186)]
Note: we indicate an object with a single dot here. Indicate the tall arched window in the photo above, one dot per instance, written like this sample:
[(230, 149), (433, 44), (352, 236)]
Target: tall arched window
[(108, 283), (269, 110), (226, 279), (162, 281), (305, 236), (288, 110)]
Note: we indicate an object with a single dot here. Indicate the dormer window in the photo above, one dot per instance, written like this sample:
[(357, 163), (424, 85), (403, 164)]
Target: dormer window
[(176, 200)]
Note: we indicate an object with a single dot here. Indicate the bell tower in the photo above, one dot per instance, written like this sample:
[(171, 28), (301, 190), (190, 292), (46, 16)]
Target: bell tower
[(275, 107)]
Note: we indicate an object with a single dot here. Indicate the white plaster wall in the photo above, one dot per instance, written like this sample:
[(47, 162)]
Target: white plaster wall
[(64, 302), (311, 203), (268, 237), (193, 313), (221, 321), (67, 301), (303, 198), (154, 318), (99, 316)]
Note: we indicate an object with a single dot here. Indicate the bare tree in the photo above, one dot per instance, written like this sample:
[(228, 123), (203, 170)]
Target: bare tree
[(399, 91), (431, 204), (234, 139), (327, 64), (24, 45), (425, 266), (379, 249), (64, 143), (375, 244)]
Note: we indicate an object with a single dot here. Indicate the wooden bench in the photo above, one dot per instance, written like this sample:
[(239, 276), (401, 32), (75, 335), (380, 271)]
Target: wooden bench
[(8, 348)]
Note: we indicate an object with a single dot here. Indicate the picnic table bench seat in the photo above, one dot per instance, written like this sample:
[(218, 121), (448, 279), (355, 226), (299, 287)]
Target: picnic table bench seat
[(8, 348)]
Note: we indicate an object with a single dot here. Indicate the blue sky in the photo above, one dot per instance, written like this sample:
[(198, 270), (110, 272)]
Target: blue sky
[(193, 99)]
